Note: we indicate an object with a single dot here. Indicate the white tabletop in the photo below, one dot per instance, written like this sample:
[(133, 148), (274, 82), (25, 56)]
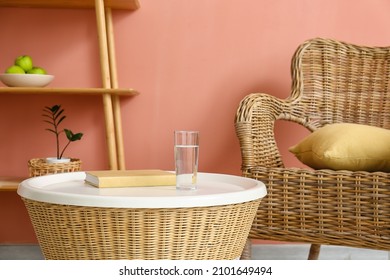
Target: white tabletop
[(71, 189)]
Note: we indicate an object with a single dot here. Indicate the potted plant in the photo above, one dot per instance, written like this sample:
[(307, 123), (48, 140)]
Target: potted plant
[(54, 116)]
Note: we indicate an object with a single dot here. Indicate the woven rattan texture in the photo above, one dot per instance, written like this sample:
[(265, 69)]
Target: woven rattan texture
[(75, 232), (324, 207), (39, 167), (332, 82)]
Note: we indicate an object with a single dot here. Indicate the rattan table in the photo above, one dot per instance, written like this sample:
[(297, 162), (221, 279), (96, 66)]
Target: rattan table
[(73, 220)]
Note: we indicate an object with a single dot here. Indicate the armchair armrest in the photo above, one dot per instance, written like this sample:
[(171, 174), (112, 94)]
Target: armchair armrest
[(254, 124)]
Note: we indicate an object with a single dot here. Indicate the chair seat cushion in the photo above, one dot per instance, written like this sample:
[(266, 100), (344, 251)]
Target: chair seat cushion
[(346, 146)]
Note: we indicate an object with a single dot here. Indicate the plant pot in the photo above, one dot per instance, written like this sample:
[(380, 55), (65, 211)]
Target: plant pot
[(39, 167), (57, 160)]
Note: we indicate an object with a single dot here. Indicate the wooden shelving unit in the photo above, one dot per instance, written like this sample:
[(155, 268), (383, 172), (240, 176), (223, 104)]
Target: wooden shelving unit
[(110, 91)]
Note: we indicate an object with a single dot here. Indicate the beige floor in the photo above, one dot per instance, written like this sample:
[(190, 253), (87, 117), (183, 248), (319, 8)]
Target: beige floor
[(300, 252), (259, 252)]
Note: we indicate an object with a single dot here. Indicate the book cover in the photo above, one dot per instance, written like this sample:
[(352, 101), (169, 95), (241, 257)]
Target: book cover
[(130, 178)]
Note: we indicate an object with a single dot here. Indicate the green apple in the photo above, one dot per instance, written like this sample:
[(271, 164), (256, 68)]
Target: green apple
[(14, 69), (25, 62), (37, 70)]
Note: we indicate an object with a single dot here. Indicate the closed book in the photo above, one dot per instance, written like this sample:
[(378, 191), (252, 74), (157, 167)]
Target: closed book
[(130, 178)]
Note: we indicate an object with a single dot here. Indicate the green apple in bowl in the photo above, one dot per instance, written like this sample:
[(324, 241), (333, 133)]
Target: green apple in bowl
[(37, 70), (24, 74), (14, 69), (25, 62)]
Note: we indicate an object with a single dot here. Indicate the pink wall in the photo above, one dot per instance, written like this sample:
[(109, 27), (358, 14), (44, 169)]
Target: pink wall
[(192, 61)]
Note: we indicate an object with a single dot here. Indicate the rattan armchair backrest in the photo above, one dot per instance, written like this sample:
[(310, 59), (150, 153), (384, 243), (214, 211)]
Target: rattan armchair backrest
[(332, 82), (338, 82)]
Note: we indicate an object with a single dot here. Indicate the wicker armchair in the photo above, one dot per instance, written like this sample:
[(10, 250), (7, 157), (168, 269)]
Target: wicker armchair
[(332, 82)]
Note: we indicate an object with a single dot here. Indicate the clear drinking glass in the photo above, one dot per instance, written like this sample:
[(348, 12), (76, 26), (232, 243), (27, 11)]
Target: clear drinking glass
[(186, 159)]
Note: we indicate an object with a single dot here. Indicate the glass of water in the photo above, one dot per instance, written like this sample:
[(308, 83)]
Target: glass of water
[(186, 159)]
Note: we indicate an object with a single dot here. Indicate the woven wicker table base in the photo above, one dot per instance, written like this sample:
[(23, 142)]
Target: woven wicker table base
[(77, 232)]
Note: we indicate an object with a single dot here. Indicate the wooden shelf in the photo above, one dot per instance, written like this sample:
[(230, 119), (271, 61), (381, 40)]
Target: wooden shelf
[(10, 183), (68, 91), (74, 4)]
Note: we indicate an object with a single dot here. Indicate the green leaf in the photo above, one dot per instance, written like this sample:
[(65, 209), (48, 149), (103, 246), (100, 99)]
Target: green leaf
[(61, 120), (69, 134), (73, 136), (54, 109), (51, 130), (47, 109), (58, 114), (47, 116), (77, 136), (47, 112)]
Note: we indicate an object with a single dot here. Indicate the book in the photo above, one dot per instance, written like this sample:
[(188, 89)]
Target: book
[(130, 178)]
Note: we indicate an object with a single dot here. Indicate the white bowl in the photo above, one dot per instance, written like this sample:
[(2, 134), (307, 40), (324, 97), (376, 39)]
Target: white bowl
[(26, 80)]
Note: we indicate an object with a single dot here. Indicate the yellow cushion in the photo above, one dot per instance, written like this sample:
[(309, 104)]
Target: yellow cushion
[(346, 146)]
